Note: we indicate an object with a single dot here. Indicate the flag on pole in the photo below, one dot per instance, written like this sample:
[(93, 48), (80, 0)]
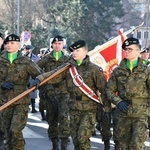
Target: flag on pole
[(109, 55)]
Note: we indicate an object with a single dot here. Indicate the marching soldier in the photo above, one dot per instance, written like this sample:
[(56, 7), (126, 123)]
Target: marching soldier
[(56, 97), (145, 55), (83, 79), (1, 131), (15, 71), (131, 80)]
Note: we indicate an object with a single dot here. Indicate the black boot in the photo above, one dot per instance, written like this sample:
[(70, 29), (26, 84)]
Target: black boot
[(107, 145), (43, 115), (55, 144), (1, 140), (64, 143), (33, 108), (117, 145)]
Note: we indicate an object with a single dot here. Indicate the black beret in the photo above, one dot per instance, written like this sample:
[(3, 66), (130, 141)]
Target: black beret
[(29, 47), (144, 50), (12, 37), (130, 41), (77, 44), (57, 38)]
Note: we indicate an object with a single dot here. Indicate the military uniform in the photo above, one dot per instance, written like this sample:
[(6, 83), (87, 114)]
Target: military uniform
[(104, 127), (1, 132), (42, 102), (13, 81), (82, 108), (132, 100), (56, 97), (145, 56)]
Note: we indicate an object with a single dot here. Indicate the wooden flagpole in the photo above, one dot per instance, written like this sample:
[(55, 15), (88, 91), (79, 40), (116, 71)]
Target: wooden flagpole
[(15, 99)]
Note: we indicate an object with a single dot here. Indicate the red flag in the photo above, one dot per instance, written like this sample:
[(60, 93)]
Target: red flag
[(116, 57), (109, 54)]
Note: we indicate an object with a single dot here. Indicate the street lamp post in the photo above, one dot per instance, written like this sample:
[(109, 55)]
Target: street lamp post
[(147, 22), (18, 23)]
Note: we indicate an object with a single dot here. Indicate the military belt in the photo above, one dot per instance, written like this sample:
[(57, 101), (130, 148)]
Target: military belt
[(79, 98)]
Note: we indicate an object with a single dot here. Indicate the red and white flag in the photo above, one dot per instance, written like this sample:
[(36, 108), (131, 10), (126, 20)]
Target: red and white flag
[(108, 55)]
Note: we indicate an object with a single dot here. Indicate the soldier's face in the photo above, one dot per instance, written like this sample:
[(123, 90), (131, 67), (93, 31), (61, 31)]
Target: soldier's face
[(12, 46), (79, 54), (145, 56), (58, 46), (132, 52)]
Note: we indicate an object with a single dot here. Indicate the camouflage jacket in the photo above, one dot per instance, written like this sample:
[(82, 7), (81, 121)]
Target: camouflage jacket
[(132, 87), (92, 75), (17, 73), (48, 63)]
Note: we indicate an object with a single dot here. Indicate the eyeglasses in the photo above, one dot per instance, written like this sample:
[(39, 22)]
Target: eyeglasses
[(128, 49)]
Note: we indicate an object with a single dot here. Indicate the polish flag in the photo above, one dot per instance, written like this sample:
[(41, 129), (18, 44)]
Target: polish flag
[(109, 54)]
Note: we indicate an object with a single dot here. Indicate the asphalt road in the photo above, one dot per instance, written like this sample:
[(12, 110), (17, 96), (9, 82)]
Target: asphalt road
[(35, 134)]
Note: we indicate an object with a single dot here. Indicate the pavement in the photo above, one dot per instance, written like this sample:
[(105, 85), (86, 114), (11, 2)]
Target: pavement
[(35, 134)]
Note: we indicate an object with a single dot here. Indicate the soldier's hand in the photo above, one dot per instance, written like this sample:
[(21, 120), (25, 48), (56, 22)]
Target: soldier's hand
[(123, 106), (36, 83), (7, 85)]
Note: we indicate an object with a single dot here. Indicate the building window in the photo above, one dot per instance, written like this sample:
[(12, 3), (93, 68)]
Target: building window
[(145, 35), (139, 35)]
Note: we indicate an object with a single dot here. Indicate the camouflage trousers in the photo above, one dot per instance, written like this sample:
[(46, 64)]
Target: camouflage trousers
[(132, 132), (59, 122), (114, 125), (104, 126), (14, 120), (82, 126)]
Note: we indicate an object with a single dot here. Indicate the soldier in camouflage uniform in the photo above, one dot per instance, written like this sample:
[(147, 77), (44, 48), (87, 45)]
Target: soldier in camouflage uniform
[(131, 79), (57, 111), (15, 71), (1, 132), (145, 56), (82, 108)]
